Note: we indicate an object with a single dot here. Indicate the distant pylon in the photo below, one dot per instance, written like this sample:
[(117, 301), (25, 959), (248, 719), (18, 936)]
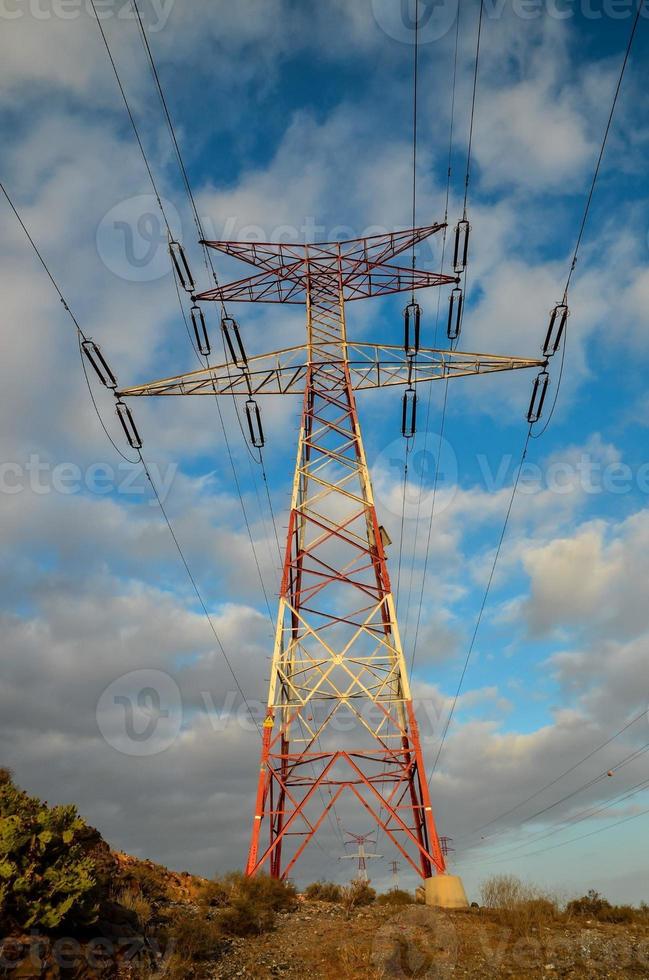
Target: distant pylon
[(446, 843), (394, 868), (361, 855)]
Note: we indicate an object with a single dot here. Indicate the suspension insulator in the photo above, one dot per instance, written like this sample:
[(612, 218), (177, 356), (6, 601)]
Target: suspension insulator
[(125, 416), (455, 310), (461, 250), (99, 363), (409, 413), (254, 424), (181, 266), (537, 401), (558, 321), (412, 328), (200, 331), (234, 343)]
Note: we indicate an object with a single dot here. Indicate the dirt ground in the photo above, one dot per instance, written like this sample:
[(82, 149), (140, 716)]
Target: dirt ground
[(319, 941)]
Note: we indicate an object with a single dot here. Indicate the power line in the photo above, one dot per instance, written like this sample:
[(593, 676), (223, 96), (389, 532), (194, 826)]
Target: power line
[(473, 101), (567, 772), (197, 590), (592, 833), (449, 171), (586, 213), (132, 119), (601, 777), (199, 227), (561, 825), (529, 432), (483, 605), (81, 336), (157, 195)]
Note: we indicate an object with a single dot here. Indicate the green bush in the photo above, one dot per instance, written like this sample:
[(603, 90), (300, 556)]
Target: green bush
[(323, 891), (48, 874)]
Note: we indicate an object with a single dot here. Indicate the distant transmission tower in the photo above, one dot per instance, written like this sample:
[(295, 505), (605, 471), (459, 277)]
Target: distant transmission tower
[(446, 843), (394, 868), (361, 855), (338, 652)]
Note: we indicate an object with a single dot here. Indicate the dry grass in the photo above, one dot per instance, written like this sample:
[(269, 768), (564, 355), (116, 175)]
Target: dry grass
[(396, 896), (356, 895), (522, 907), (135, 902), (324, 891)]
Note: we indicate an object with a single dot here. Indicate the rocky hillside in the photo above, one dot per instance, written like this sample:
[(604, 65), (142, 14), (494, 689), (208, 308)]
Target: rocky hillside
[(72, 908)]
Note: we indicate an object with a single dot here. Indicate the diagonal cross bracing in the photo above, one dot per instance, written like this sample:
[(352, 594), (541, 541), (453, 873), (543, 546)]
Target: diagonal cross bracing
[(337, 653)]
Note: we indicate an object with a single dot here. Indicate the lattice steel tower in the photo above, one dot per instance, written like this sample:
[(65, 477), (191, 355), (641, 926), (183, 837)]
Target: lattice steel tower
[(337, 648)]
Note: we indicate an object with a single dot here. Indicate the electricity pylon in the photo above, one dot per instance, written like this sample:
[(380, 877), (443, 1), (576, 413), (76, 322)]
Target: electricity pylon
[(337, 653), (361, 855)]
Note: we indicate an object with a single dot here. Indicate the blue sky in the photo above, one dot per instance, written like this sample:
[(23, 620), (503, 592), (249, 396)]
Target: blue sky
[(298, 115)]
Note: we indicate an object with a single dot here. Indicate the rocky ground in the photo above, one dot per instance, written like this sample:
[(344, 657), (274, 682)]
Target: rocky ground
[(319, 941)]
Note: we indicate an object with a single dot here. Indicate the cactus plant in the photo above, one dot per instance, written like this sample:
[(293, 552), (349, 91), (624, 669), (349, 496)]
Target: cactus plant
[(48, 873)]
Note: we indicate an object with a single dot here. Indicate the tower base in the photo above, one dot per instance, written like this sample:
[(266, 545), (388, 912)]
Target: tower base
[(445, 892)]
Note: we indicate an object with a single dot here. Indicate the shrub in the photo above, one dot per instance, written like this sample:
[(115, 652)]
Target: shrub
[(505, 892), (324, 891), (262, 890), (524, 908), (48, 874), (244, 917), (137, 903), (357, 894), (195, 938), (214, 894), (592, 904), (252, 903), (595, 906), (396, 896), (147, 879)]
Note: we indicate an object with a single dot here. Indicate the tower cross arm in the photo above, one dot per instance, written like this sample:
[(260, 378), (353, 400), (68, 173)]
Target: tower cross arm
[(357, 269), (375, 249), (284, 372)]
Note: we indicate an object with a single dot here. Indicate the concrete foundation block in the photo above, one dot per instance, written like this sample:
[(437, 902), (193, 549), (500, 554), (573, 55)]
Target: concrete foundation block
[(445, 892)]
